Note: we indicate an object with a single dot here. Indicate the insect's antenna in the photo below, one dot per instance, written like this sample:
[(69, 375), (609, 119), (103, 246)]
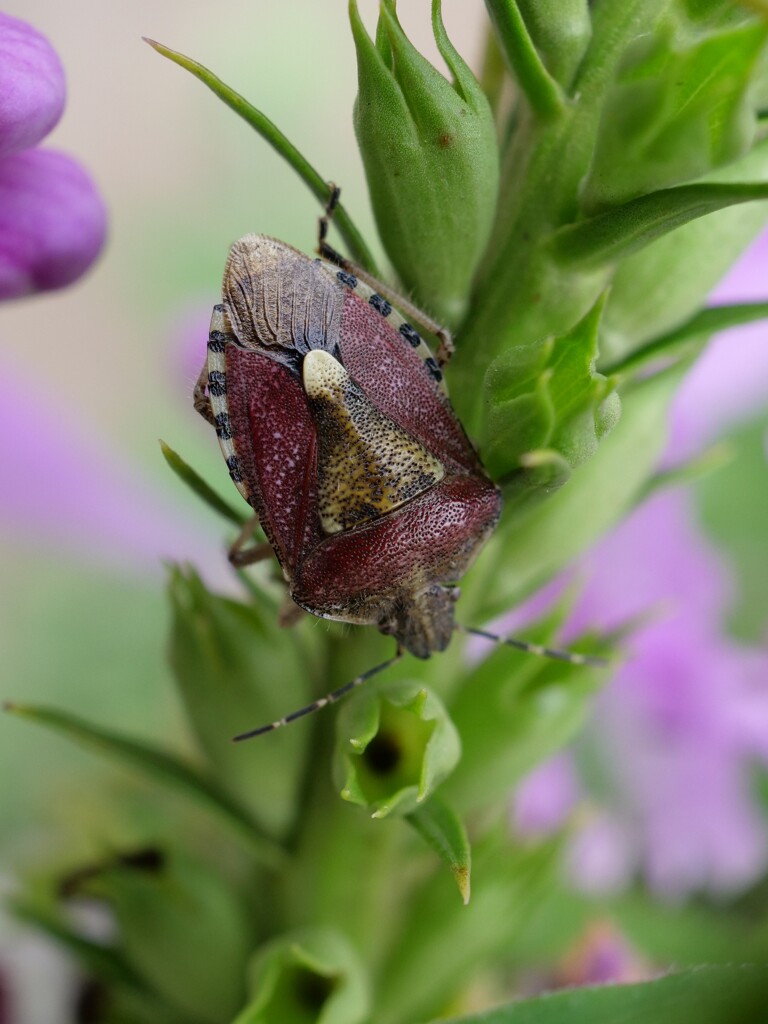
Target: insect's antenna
[(571, 657), (330, 698)]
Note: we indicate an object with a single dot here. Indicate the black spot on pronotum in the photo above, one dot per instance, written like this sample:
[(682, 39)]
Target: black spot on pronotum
[(223, 426), (380, 304), (412, 337), (233, 465), (348, 279), (433, 368), (217, 383)]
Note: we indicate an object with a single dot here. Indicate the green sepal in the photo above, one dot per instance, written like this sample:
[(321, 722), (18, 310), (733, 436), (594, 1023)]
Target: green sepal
[(182, 927), (235, 669), (395, 745), (442, 828), (549, 408), (431, 160), (269, 131), (711, 994), (523, 60), (161, 767), (615, 234), (198, 486), (561, 31), (312, 976), (678, 108)]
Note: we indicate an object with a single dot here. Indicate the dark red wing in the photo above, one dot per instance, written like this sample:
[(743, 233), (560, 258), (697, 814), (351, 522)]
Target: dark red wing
[(276, 444), (432, 538), (400, 384)]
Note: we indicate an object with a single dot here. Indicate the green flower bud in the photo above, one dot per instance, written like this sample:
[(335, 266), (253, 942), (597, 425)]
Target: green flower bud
[(307, 976), (431, 160), (549, 409), (236, 667), (396, 745), (182, 928)]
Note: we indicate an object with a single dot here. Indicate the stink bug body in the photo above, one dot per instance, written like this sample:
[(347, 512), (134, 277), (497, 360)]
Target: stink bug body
[(335, 425)]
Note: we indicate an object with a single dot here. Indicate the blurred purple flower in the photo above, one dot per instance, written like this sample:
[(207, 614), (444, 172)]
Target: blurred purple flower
[(676, 734), (70, 489), (52, 220)]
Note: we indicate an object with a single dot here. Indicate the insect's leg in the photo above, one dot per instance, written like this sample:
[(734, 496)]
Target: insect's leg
[(201, 400), (316, 705), (445, 346), (571, 657), (240, 555)]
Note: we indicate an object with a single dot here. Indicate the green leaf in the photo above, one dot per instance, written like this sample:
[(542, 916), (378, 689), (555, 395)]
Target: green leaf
[(395, 745), (650, 296), (431, 160), (237, 668), (537, 84), (691, 335), (312, 976), (198, 486), (318, 185), (441, 827), (707, 995), (161, 767), (618, 233), (678, 108)]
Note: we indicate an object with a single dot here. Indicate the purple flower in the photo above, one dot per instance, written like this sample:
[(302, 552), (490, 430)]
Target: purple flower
[(52, 220), (676, 734)]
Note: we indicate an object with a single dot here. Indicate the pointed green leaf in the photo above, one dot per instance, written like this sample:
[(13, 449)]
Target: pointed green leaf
[(161, 767), (441, 827), (198, 486), (690, 335), (611, 236), (707, 995), (318, 185)]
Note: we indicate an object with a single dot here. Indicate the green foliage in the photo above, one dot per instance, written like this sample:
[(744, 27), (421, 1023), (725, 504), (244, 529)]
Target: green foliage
[(708, 995), (569, 226)]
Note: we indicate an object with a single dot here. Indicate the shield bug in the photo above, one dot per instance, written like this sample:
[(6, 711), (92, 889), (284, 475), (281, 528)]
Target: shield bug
[(335, 424)]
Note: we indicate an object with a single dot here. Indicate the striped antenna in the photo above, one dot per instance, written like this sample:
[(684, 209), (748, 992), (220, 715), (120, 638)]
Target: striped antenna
[(571, 657), (316, 705)]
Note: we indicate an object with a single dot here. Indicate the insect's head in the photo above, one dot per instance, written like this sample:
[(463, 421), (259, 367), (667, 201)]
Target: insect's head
[(423, 623)]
